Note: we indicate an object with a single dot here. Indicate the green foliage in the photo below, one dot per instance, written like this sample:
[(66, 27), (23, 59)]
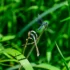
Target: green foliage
[(18, 17)]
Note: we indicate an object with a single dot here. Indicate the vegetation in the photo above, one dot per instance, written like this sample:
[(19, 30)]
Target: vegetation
[(24, 44)]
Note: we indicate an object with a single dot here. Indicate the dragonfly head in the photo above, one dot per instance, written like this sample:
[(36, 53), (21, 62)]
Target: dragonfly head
[(45, 23)]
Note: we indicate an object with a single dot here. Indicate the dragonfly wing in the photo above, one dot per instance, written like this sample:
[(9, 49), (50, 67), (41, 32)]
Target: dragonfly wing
[(40, 27)]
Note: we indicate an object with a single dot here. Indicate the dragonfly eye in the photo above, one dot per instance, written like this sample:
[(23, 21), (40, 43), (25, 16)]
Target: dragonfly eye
[(40, 21)]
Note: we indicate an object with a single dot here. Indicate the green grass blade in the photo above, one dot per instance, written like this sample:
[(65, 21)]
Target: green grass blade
[(20, 58), (46, 66), (62, 56)]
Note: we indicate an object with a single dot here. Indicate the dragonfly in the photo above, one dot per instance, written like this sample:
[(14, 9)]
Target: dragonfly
[(41, 22)]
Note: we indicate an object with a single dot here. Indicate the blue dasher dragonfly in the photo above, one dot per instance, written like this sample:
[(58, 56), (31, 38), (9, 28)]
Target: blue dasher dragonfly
[(41, 22)]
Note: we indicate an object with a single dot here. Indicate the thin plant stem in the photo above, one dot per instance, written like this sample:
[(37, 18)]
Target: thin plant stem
[(37, 42), (36, 47), (25, 46), (62, 56)]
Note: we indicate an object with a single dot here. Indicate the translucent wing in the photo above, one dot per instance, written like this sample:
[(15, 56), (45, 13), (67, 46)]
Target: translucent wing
[(43, 24), (40, 27)]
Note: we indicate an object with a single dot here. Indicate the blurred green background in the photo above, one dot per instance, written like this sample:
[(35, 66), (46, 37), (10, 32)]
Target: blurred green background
[(17, 17)]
